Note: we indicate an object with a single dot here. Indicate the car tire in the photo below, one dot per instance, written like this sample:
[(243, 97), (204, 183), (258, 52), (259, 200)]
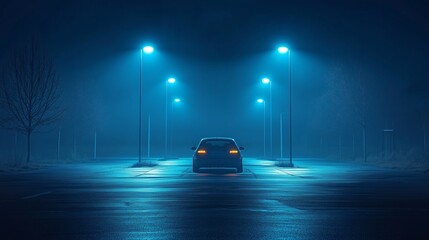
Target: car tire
[(195, 169), (240, 169)]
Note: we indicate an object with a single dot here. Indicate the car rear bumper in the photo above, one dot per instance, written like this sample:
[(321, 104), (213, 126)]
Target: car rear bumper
[(218, 163)]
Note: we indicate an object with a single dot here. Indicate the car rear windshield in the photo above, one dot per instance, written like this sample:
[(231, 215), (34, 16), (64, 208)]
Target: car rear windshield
[(218, 144)]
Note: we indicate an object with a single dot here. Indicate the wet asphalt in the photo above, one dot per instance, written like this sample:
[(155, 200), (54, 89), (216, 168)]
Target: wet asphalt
[(318, 199)]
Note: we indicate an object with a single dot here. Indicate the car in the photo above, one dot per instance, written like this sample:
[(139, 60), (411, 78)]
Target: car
[(217, 152)]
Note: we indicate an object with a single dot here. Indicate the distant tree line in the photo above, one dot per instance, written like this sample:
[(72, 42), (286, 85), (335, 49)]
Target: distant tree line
[(356, 103)]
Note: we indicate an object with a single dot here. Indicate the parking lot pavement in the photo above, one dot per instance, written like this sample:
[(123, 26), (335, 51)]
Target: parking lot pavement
[(318, 199)]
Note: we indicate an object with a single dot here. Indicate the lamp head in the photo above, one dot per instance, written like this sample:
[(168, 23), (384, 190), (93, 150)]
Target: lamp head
[(148, 49), (265, 80), (282, 50)]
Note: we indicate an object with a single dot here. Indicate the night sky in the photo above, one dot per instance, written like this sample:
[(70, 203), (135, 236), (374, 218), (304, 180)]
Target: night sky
[(218, 51)]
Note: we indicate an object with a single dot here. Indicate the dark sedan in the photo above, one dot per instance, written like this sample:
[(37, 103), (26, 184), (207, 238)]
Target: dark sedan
[(217, 152)]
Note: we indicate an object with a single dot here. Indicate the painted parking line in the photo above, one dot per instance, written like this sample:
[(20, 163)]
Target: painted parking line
[(185, 172), (292, 174), (35, 195), (143, 173), (251, 172)]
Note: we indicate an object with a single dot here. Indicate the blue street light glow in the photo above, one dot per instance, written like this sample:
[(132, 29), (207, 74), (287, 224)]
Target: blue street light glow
[(260, 100), (177, 100), (171, 80), (282, 50), (148, 49), (265, 80)]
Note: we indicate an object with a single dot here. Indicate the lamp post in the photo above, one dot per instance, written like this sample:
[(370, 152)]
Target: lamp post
[(148, 137), (281, 135), (268, 81), (169, 81), (175, 101), (284, 50), (146, 50), (260, 100)]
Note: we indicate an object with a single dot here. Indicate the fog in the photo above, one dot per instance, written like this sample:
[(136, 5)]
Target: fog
[(348, 72)]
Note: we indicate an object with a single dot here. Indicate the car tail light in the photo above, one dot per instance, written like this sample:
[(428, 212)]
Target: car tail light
[(233, 151), (201, 151)]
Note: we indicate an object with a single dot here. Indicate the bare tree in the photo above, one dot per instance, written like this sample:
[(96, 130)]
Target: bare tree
[(346, 101), (332, 108), (29, 92), (358, 101), (360, 105)]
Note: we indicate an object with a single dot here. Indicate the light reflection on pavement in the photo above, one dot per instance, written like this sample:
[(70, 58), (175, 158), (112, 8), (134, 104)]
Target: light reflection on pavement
[(319, 199)]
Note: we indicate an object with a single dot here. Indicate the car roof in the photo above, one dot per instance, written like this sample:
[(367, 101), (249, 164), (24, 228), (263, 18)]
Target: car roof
[(217, 138)]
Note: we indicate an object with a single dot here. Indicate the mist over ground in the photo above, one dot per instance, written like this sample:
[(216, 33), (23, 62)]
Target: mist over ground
[(352, 63)]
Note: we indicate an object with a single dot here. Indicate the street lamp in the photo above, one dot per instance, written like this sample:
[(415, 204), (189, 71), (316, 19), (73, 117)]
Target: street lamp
[(284, 50), (261, 101), (146, 50), (169, 81), (281, 135), (268, 81), (174, 102)]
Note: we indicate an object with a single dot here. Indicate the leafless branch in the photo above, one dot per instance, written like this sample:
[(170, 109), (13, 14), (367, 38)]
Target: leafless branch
[(29, 95)]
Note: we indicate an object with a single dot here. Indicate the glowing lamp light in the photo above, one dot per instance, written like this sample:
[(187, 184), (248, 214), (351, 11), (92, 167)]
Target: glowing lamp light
[(260, 100), (171, 80), (148, 49), (233, 151), (177, 100), (265, 80), (282, 50), (201, 151)]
